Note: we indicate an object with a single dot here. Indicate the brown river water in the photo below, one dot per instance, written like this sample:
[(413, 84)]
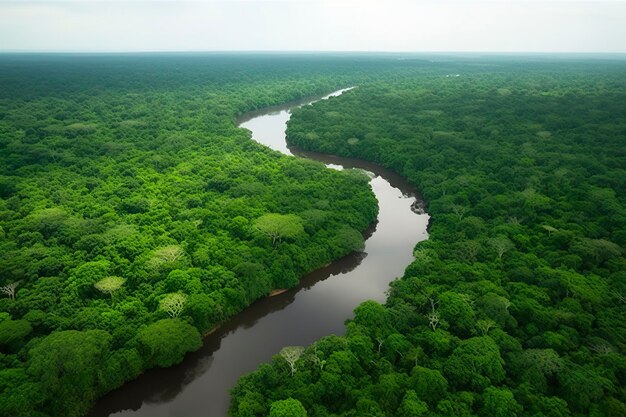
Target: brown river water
[(315, 308)]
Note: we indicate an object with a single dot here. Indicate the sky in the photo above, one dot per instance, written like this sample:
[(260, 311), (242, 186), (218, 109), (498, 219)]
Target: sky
[(314, 25)]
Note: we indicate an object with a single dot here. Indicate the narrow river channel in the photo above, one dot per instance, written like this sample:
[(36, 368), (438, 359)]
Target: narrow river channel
[(317, 307)]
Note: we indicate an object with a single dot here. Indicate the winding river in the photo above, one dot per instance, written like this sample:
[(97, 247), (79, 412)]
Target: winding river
[(318, 306)]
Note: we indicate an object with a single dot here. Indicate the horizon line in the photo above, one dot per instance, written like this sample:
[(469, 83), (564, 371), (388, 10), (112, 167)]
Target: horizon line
[(304, 51)]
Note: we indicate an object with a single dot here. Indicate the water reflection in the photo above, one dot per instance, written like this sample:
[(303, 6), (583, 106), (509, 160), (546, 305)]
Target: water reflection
[(318, 306), (162, 385), (395, 180)]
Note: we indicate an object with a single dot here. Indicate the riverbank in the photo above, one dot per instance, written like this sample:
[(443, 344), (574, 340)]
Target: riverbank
[(322, 300)]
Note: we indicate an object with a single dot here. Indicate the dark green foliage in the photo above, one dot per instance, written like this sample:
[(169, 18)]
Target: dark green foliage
[(428, 384), (515, 305), (63, 365), (475, 364), (165, 342), (12, 333)]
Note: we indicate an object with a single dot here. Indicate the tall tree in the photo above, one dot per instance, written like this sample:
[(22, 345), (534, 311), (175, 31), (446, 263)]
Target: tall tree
[(279, 226)]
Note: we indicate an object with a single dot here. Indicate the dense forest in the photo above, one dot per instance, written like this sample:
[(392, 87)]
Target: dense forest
[(135, 215), (515, 306)]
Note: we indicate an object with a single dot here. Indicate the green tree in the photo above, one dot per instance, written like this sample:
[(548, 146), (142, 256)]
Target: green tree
[(165, 342), (66, 365), (498, 402), (456, 309), (412, 406), (13, 332), (203, 310), (500, 245), (428, 384), (173, 304), (475, 364), (349, 240), (291, 354), (165, 257), (109, 285), (82, 279), (287, 408), (279, 226)]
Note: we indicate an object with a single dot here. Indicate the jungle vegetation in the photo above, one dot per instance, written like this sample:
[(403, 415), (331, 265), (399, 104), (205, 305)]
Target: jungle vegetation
[(135, 215), (515, 305)]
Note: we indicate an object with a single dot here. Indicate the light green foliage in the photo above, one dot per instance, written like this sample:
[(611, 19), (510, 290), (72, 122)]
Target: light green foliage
[(109, 285), (500, 245), (287, 408), (291, 354), (279, 226), (166, 255), (173, 304), (47, 221)]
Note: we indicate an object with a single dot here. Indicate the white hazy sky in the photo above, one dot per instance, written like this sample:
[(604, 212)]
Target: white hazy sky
[(314, 25)]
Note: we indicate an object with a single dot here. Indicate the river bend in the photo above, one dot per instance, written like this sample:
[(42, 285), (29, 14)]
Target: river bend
[(318, 306)]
